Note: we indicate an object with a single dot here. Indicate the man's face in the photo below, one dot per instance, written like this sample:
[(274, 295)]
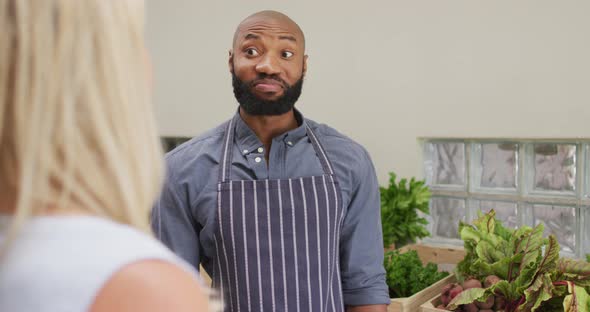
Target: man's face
[(267, 64)]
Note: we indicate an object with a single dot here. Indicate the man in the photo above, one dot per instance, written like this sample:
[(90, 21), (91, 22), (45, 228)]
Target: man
[(282, 212)]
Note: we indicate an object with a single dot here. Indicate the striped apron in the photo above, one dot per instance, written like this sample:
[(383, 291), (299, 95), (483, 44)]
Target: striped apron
[(277, 241)]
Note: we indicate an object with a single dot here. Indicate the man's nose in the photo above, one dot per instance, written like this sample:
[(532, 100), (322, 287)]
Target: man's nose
[(268, 65)]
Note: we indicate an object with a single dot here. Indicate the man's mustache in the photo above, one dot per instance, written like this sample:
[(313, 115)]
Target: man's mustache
[(262, 77)]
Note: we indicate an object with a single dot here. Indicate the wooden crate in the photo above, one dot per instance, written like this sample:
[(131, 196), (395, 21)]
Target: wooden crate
[(446, 258), (413, 303), (430, 304)]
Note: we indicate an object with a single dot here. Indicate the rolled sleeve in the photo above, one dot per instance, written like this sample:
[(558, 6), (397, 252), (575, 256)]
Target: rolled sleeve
[(361, 241), (172, 222)]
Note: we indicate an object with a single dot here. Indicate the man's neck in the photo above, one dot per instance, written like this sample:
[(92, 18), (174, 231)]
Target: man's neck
[(268, 127)]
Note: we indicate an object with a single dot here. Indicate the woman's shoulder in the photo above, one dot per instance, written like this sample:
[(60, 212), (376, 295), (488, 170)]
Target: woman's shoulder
[(96, 240), (85, 255), (151, 285)]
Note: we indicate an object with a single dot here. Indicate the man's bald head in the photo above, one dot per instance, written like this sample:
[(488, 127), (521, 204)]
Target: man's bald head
[(271, 19)]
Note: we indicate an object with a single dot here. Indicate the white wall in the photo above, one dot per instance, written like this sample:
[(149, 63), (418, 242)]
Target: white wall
[(388, 72)]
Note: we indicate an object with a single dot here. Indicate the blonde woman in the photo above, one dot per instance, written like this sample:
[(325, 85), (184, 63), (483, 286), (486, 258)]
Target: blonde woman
[(80, 164)]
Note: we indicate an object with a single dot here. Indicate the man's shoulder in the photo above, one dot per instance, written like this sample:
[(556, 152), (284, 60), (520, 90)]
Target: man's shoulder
[(207, 142), (351, 160), (335, 140)]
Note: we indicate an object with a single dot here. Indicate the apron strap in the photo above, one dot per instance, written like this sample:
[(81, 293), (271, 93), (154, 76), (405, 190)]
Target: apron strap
[(228, 142), (320, 151), (227, 148)]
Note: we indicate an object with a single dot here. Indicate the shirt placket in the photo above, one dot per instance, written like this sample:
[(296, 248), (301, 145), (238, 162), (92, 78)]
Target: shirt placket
[(277, 159), (257, 162)]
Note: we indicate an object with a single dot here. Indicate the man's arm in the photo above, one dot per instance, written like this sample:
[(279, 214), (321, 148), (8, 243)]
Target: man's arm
[(361, 243), (172, 221)]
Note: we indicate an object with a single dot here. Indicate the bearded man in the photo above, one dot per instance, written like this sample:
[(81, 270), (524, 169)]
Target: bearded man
[(282, 212)]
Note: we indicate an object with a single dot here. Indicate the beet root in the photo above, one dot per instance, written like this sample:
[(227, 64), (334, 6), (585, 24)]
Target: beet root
[(470, 307), (491, 280), (445, 296), (488, 304), (455, 291), (500, 303), (471, 283)]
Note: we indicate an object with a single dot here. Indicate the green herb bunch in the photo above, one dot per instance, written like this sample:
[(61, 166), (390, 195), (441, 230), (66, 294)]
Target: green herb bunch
[(400, 203), (406, 275), (532, 276)]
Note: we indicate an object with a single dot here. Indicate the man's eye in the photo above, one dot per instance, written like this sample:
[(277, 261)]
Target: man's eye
[(287, 54), (251, 52)]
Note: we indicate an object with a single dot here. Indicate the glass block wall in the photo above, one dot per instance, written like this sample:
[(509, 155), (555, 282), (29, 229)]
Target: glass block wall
[(525, 182)]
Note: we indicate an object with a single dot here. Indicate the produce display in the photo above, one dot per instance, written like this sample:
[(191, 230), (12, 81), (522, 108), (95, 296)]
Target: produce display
[(515, 270), (406, 275)]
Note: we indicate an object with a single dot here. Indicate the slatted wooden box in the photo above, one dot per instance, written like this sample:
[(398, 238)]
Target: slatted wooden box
[(446, 258), (430, 305)]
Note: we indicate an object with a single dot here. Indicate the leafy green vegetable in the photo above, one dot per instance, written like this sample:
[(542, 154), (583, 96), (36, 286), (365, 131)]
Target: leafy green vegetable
[(400, 203), (588, 258), (533, 277), (574, 271), (406, 275), (540, 291), (578, 297), (468, 296)]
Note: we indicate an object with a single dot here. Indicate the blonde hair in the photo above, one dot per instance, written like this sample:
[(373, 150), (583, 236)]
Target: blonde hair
[(76, 125)]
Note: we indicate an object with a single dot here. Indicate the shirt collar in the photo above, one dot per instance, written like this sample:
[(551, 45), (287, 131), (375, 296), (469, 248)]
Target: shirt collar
[(248, 141)]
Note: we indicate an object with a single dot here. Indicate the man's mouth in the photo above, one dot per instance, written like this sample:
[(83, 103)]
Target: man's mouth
[(268, 86)]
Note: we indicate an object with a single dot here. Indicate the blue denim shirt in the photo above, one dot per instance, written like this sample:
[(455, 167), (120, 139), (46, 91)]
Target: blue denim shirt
[(183, 217)]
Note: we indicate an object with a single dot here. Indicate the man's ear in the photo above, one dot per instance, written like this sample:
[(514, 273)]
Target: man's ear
[(305, 64), (230, 62)]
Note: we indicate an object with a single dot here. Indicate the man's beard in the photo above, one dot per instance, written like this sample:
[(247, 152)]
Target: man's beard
[(253, 105)]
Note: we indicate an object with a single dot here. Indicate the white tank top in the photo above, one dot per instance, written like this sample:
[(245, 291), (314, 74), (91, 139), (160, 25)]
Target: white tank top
[(61, 263)]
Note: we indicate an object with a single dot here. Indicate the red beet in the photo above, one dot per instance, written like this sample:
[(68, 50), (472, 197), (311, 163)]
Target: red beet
[(455, 291), (471, 283), (488, 304), (445, 296), (445, 299), (447, 288), (470, 308), (500, 303), (491, 280)]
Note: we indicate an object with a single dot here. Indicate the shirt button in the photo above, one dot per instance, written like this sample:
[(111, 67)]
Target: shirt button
[(257, 159), (260, 149), (245, 152), (290, 143)]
